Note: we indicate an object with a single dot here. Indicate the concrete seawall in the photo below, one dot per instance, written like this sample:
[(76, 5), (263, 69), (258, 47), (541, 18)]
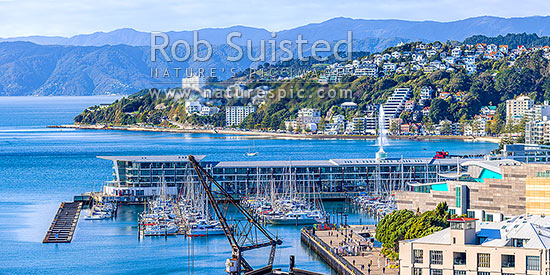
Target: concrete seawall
[(341, 265)]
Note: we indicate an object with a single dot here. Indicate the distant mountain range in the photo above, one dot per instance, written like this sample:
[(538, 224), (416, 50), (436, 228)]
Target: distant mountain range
[(119, 61), (332, 29)]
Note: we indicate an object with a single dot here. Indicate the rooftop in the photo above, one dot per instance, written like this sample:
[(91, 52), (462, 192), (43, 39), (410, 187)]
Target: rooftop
[(285, 163), (533, 229), (172, 158)]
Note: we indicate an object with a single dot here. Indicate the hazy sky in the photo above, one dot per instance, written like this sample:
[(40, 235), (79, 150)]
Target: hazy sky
[(70, 17)]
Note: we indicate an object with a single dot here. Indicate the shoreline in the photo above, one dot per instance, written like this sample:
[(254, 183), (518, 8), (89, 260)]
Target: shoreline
[(265, 134)]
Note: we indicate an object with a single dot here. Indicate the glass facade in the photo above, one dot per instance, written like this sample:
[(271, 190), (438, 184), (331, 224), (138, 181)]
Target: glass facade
[(354, 175)]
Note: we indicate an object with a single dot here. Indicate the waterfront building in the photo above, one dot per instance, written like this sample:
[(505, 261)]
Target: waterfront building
[(538, 112), (537, 132), (489, 191), (142, 176), (528, 153), (308, 115), (516, 108), (209, 110), (469, 247), (234, 115)]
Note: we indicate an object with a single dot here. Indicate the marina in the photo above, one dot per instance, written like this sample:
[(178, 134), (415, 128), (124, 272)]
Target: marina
[(28, 209)]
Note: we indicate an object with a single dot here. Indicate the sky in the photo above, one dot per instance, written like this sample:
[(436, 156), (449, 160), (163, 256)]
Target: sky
[(70, 17)]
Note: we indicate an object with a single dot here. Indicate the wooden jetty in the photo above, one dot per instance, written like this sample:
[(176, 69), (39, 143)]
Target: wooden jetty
[(64, 223)]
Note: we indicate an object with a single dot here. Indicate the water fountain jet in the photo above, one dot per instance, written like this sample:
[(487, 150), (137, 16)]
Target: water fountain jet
[(382, 139)]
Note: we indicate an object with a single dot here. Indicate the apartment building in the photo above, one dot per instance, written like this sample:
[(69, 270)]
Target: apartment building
[(193, 83), (234, 115), (516, 108), (193, 107), (395, 104), (469, 247)]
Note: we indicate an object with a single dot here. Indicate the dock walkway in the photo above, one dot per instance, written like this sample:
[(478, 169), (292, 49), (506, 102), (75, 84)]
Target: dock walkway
[(345, 250), (64, 223)]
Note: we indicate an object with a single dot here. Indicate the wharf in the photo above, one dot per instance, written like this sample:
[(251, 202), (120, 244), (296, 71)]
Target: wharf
[(349, 250), (64, 223)]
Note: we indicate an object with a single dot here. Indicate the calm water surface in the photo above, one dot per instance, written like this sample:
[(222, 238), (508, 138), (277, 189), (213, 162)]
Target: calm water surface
[(40, 167)]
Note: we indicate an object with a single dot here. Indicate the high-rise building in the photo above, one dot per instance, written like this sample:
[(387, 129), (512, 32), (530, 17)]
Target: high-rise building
[(193, 83), (234, 115), (516, 108), (395, 104)]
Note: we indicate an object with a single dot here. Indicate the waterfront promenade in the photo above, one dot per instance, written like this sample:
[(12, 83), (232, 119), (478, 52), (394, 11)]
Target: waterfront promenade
[(347, 251)]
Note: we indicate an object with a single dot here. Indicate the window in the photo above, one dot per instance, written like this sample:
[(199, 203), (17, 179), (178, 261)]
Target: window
[(457, 225), (458, 197), (436, 257), (483, 260), (489, 217), (418, 271), (460, 272), (508, 261), (459, 258), (518, 242), (436, 272), (483, 273), (533, 263), (418, 256), (471, 214)]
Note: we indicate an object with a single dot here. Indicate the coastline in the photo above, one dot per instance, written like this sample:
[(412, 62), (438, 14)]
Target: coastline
[(264, 134)]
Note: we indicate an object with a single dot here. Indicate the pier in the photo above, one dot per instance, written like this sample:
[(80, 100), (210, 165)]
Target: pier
[(64, 223), (348, 250)]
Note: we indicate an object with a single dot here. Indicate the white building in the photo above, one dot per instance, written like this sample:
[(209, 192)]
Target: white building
[(426, 94), (468, 247), (537, 132), (456, 52), (234, 115), (477, 128), (395, 104), (516, 108), (348, 105), (208, 110), (193, 107), (193, 83)]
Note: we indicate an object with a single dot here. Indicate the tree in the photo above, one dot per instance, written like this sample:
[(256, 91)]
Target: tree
[(404, 224), (439, 110)]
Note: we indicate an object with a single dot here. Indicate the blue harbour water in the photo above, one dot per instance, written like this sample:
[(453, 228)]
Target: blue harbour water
[(40, 167)]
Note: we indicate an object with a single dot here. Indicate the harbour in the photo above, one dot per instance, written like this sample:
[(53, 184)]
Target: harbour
[(67, 164)]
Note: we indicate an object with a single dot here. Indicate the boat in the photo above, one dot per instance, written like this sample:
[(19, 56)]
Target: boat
[(161, 229), (101, 211), (253, 152), (98, 216), (205, 228), (295, 218)]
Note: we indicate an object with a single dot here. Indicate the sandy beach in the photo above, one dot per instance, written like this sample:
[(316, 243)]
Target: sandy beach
[(265, 134)]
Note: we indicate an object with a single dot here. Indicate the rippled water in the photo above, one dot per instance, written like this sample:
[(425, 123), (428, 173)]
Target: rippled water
[(40, 167)]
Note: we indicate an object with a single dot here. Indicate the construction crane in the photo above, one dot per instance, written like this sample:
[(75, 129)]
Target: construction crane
[(243, 235)]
